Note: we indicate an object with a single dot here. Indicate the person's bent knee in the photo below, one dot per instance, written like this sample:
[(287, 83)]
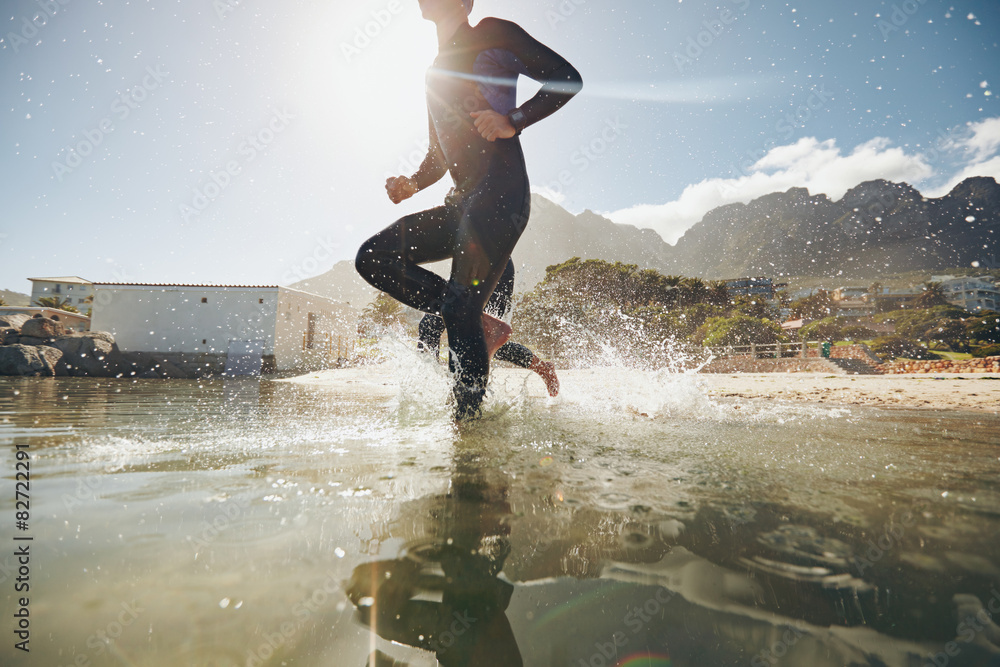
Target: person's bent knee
[(366, 261)]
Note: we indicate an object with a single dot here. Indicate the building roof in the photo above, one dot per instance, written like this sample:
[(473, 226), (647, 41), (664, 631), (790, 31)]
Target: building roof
[(64, 279)]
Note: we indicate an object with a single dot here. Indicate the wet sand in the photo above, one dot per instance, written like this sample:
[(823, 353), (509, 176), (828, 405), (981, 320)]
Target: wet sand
[(976, 392), (971, 392)]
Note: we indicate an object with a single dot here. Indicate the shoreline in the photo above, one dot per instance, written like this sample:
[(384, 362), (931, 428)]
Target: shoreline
[(973, 392)]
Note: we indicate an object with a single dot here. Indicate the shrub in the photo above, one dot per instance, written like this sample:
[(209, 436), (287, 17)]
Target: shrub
[(988, 351), (742, 330), (890, 347), (826, 329), (855, 332)]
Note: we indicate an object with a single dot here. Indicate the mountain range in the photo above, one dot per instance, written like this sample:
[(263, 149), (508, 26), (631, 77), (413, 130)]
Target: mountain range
[(876, 228)]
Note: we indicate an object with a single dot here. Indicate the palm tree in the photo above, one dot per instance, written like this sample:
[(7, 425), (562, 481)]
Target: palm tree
[(57, 303), (933, 295)]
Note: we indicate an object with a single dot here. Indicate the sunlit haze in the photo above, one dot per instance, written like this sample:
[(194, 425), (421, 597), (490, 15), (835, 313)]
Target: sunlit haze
[(242, 141)]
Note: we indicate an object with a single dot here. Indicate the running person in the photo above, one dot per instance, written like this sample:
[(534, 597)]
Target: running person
[(474, 125), (432, 326)]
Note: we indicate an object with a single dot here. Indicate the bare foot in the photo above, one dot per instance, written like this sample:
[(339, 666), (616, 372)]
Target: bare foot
[(497, 332), (547, 371)]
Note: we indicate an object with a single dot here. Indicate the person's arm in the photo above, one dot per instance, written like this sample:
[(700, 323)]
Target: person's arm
[(430, 171), (560, 82)]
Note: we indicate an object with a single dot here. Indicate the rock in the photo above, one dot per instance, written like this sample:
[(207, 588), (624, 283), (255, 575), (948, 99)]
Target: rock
[(8, 336), (42, 327), (26, 360), (91, 354), (15, 320)]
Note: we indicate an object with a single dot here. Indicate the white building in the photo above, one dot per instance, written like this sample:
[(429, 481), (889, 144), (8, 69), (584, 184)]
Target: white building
[(970, 293), (293, 330), (72, 289)]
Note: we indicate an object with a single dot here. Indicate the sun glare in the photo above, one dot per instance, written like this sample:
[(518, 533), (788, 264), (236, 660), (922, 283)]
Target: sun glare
[(362, 84)]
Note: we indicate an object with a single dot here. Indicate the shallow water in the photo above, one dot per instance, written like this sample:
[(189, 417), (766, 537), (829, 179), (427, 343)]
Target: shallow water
[(632, 521)]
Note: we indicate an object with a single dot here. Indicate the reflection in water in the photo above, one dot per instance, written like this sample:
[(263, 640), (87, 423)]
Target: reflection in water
[(444, 594), (557, 535)]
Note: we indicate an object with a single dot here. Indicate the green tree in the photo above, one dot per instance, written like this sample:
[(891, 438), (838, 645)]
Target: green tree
[(954, 334), (933, 295), (742, 330), (814, 307), (914, 323), (752, 307), (381, 314), (826, 329), (891, 347), (984, 328)]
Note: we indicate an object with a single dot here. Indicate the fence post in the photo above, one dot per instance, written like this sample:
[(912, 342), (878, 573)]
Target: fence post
[(805, 346), (753, 350), (777, 350)]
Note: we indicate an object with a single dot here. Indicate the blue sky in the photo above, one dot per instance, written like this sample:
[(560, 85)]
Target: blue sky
[(243, 141)]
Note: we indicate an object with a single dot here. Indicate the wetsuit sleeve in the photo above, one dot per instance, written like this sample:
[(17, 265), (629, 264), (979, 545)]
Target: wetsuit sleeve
[(560, 80), (433, 168)]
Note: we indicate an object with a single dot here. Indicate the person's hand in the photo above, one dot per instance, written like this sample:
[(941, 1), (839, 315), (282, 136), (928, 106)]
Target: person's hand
[(400, 188), (493, 125)]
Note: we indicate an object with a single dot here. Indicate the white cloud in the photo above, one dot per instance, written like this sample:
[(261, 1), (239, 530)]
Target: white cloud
[(985, 138), (809, 163)]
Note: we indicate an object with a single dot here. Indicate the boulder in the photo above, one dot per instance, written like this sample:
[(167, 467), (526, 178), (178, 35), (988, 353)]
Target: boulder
[(42, 327), (8, 335), (26, 360), (14, 320), (90, 354)]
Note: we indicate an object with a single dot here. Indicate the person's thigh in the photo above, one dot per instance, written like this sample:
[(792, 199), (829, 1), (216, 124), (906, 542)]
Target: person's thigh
[(420, 238)]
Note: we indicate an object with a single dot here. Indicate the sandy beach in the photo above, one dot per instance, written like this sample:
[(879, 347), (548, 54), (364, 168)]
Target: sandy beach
[(969, 392), (976, 392)]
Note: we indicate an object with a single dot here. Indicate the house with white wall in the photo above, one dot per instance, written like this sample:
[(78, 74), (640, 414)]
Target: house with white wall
[(72, 289), (202, 324)]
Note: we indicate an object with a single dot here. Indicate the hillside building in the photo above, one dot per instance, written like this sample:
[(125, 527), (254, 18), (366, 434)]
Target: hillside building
[(72, 289), (971, 293), (762, 287)]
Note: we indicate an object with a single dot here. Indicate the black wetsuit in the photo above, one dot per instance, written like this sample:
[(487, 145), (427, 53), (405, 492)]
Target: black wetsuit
[(432, 326), (486, 212)]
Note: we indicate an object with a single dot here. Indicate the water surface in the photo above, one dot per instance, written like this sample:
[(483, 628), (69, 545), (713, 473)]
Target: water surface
[(632, 521)]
